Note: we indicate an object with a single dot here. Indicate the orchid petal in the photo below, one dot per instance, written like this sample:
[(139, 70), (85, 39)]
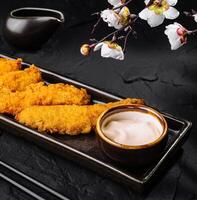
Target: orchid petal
[(112, 18), (124, 10), (98, 46), (174, 26), (144, 14), (105, 14), (115, 2), (171, 13), (175, 39), (195, 17), (146, 2), (116, 54), (113, 21), (121, 56), (172, 34), (172, 2), (154, 19), (108, 52), (105, 51), (176, 44)]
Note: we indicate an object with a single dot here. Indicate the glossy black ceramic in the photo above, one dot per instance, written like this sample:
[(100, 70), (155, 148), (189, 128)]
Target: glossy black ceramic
[(30, 28), (85, 150)]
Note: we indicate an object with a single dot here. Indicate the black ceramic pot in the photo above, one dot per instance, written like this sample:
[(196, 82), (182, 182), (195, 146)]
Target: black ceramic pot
[(30, 28)]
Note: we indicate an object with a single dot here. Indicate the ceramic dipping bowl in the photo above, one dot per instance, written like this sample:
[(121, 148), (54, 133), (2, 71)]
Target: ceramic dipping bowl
[(29, 27), (132, 155)]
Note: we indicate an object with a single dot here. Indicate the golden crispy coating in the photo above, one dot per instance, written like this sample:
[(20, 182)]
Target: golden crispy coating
[(96, 109), (19, 80), (40, 94), (71, 120), (7, 65)]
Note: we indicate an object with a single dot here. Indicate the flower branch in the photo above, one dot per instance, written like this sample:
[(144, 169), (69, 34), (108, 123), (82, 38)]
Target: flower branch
[(193, 32), (122, 20), (95, 25), (126, 38), (122, 5)]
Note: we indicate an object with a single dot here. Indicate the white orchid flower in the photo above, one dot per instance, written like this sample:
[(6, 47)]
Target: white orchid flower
[(116, 19), (110, 50), (158, 11), (116, 3), (177, 35), (195, 17), (125, 16), (112, 18)]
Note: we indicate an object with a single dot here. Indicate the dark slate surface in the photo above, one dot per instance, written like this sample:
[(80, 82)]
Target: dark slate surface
[(165, 79)]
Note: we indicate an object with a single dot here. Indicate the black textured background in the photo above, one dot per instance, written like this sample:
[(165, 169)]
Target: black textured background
[(165, 79)]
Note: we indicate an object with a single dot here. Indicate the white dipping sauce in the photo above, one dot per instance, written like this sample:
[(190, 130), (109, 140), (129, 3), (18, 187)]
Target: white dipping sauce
[(132, 128)]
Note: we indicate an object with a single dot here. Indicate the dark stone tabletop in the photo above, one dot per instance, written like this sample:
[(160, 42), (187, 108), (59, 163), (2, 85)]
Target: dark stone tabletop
[(166, 79)]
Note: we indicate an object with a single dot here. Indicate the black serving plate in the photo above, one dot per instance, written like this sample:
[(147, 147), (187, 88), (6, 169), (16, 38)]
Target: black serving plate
[(84, 149)]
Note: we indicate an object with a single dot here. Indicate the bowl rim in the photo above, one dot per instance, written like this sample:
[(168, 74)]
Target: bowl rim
[(127, 107)]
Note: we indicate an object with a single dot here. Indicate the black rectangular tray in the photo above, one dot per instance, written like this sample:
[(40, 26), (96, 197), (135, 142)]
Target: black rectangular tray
[(84, 149)]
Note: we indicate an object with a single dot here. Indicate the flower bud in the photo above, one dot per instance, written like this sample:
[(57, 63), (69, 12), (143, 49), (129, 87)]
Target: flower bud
[(85, 49), (181, 31)]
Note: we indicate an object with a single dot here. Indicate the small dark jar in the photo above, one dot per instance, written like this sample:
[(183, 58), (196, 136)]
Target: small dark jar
[(30, 28)]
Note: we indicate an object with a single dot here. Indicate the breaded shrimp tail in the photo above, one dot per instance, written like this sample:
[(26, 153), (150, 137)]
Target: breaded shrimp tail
[(8, 65), (40, 94), (72, 120), (19, 80)]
